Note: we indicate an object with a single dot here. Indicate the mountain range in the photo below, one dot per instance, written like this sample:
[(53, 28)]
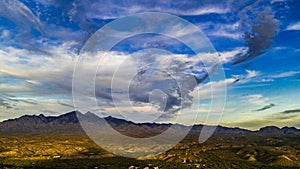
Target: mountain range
[(69, 123)]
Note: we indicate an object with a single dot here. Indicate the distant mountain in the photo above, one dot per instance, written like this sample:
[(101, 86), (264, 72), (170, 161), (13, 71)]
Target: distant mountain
[(69, 123), (27, 124), (279, 131)]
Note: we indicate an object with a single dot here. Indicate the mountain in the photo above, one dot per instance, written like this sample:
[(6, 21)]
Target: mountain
[(28, 124), (273, 130), (69, 123)]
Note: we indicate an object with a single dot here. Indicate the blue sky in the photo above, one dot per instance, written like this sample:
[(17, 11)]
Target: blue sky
[(257, 42)]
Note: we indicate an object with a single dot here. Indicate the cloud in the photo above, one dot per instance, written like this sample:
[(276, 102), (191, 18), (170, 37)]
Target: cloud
[(268, 119), (43, 105), (291, 111), (90, 15), (267, 78), (44, 75), (168, 74), (20, 14), (5, 34), (226, 34), (145, 41), (266, 107), (205, 90), (114, 9), (33, 82), (259, 32), (23, 25), (251, 74), (275, 1), (231, 30), (223, 56), (11, 102), (5, 104), (50, 76), (257, 123), (294, 26), (203, 11), (227, 56), (66, 104), (31, 28), (285, 74), (255, 99)]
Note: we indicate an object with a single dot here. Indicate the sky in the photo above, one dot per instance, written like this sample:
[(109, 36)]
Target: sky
[(154, 75)]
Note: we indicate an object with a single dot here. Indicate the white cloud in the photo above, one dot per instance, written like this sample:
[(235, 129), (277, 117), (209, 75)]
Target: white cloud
[(220, 57), (284, 74), (205, 90), (294, 26), (274, 1), (255, 99), (227, 30), (251, 74), (256, 76), (224, 33), (105, 11), (36, 69), (202, 11), (228, 56)]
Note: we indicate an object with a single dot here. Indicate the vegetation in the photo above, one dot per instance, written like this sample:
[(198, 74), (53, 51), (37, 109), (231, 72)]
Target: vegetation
[(221, 151)]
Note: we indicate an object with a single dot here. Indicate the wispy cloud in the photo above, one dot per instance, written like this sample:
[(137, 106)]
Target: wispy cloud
[(285, 74), (249, 76), (291, 111), (44, 75), (227, 30), (260, 77), (294, 26), (107, 10), (256, 123), (274, 1), (222, 56), (5, 104), (66, 103), (255, 99), (268, 78), (228, 56), (266, 107), (279, 119), (205, 90), (20, 14)]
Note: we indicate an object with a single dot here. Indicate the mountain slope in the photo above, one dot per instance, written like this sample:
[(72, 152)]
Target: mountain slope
[(69, 123)]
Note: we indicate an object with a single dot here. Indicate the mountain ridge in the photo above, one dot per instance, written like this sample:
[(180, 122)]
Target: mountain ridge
[(69, 123)]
